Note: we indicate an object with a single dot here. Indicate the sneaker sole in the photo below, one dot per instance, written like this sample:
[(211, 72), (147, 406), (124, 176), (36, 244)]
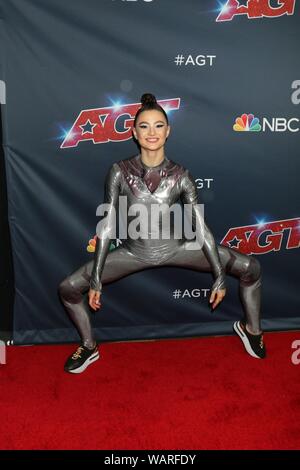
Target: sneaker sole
[(245, 340), (89, 361)]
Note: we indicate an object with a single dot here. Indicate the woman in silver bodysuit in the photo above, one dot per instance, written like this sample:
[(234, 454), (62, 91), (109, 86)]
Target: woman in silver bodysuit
[(150, 179)]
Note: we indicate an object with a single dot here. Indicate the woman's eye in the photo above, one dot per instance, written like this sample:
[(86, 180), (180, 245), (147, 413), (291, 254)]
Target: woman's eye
[(143, 126)]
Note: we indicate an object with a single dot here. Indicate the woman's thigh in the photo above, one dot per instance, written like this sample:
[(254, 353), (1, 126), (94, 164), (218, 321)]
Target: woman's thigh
[(232, 261)]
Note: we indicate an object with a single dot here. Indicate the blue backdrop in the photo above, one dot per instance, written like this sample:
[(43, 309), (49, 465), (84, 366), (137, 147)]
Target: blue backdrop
[(230, 81)]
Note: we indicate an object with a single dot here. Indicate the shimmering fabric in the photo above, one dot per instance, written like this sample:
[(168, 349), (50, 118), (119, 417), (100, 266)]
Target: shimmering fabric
[(167, 183), (173, 183)]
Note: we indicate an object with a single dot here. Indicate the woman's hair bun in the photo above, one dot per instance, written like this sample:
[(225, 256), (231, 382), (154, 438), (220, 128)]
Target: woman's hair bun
[(148, 103), (148, 99)]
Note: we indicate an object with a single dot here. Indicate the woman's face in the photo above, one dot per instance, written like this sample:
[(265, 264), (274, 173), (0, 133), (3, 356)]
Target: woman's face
[(151, 129)]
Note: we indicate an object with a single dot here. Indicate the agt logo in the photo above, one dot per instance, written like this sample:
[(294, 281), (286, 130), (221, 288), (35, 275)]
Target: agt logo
[(264, 237), (111, 124), (255, 9), (250, 123)]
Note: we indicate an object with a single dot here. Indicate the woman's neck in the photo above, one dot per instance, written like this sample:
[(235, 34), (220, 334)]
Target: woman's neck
[(153, 158)]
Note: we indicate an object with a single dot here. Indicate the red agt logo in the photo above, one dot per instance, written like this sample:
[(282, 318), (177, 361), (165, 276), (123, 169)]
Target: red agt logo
[(99, 125), (255, 9), (263, 238)]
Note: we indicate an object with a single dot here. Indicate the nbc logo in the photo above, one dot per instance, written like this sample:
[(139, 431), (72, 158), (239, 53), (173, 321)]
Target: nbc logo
[(247, 122), (91, 247)]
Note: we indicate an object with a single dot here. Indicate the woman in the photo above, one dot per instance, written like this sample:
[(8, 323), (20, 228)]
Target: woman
[(150, 178)]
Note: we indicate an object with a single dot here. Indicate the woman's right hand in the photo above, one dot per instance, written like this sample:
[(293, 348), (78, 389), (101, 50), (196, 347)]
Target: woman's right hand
[(94, 299), (217, 296)]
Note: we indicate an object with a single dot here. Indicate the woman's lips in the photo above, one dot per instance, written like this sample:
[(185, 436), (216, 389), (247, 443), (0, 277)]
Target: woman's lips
[(152, 140)]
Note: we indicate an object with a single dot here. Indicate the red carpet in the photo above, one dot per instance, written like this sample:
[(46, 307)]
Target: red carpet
[(203, 393)]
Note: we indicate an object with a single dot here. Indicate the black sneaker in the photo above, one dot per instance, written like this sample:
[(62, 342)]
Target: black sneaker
[(254, 344), (81, 359)]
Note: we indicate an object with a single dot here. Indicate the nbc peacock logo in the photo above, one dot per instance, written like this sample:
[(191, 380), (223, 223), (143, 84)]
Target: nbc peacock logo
[(247, 122), (91, 247)]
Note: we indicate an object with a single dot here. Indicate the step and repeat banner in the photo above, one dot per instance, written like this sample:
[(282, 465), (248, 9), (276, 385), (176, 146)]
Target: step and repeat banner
[(227, 73)]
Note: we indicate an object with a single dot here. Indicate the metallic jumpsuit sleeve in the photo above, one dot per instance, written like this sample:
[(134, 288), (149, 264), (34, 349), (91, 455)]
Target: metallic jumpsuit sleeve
[(112, 190), (189, 195)]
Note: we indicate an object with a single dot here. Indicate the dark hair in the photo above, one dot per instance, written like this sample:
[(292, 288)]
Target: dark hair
[(149, 102)]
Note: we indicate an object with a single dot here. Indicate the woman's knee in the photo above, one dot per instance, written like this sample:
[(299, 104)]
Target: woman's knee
[(69, 292), (253, 270)]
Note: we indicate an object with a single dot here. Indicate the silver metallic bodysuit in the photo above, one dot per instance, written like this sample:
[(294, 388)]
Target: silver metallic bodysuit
[(167, 183)]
